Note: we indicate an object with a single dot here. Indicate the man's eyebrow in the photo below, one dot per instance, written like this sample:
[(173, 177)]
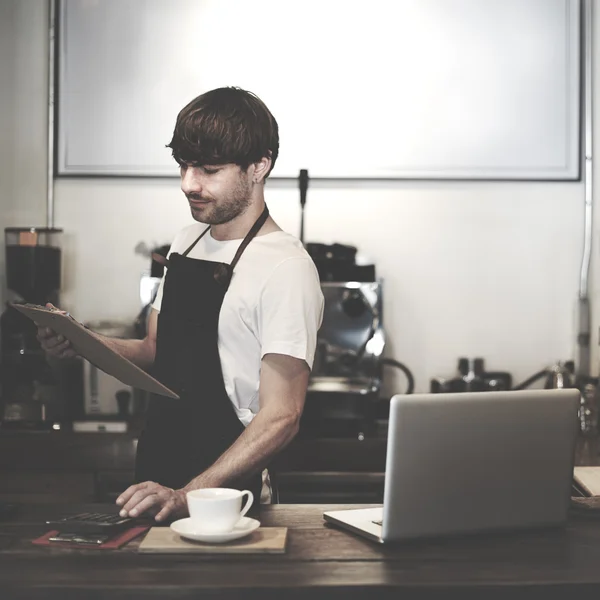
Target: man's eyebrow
[(198, 163)]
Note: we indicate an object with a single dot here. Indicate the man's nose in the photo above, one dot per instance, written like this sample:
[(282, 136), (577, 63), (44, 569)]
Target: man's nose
[(191, 182)]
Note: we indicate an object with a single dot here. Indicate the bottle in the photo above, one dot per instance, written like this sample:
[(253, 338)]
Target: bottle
[(472, 375), (560, 375), (588, 409)]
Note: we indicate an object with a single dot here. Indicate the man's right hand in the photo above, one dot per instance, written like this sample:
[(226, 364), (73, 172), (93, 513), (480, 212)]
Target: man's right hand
[(53, 343)]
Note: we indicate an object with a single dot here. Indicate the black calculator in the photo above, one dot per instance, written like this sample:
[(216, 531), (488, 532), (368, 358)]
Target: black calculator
[(92, 522)]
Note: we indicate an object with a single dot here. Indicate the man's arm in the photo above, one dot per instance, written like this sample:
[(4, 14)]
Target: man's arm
[(283, 384), (140, 352)]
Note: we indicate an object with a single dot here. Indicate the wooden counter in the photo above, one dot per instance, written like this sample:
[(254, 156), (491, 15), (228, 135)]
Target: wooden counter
[(320, 562)]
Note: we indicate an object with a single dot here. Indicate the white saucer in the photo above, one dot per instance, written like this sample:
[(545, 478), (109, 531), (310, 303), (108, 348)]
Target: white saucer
[(185, 528)]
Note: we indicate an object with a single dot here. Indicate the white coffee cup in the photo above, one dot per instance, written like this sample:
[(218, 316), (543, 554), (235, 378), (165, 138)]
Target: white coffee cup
[(217, 510)]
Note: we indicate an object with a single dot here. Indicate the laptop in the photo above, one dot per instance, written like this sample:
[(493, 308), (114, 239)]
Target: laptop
[(472, 462)]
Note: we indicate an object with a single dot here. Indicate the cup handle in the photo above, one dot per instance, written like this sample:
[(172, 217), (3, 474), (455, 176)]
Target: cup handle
[(248, 502)]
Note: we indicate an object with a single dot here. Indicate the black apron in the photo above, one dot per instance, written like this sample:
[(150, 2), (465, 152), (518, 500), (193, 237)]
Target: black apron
[(183, 437)]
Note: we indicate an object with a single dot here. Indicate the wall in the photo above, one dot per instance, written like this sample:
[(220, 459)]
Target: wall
[(470, 268), (23, 114)]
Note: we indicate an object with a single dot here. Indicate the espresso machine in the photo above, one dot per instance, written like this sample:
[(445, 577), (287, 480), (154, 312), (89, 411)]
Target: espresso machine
[(343, 395), (32, 390), (345, 381)]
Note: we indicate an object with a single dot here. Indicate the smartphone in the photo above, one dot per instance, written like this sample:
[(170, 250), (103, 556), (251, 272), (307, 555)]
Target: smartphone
[(79, 538)]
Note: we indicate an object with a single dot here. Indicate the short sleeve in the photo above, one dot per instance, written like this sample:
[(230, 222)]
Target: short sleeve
[(290, 310), (176, 246), (159, 294)]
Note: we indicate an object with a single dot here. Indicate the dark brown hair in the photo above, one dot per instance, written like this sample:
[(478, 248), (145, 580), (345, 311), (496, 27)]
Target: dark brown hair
[(225, 125)]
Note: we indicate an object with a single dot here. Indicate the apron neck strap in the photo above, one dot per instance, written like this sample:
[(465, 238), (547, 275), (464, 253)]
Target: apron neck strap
[(249, 237), (196, 241), (223, 272)]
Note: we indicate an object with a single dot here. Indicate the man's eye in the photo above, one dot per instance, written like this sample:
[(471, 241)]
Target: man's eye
[(210, 171)]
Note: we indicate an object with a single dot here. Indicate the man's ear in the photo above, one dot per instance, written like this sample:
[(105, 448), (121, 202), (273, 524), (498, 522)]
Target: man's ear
[(261, 169)]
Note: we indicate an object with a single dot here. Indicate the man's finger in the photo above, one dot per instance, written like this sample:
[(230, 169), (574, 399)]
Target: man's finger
[(144, 505), (64, 347), (167, 509), (55, 308), (54, 343), (136, 499), (42, 334), (130, 491), (50, 342)]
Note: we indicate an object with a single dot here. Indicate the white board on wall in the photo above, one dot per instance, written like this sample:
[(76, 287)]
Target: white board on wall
[(428, 89)]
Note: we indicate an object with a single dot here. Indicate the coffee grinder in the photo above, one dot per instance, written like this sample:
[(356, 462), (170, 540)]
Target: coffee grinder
[(30, 384)]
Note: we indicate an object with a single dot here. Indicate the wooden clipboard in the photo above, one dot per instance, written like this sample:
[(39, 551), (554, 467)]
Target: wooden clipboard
[(86, 344)]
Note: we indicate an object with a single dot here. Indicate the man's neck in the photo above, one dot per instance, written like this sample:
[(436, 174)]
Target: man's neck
[(237, 228)]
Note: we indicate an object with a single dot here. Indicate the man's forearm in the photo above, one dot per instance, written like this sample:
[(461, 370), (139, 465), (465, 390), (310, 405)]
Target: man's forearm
[(262, 439), (139, 352)]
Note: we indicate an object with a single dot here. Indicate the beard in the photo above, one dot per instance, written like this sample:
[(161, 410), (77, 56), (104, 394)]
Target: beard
[(224, 209)]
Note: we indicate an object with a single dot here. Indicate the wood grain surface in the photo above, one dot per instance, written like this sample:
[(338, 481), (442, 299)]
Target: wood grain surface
[(320, 561), (265, 540)]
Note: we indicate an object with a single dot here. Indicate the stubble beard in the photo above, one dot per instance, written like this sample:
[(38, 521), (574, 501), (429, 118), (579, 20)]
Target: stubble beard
[(227, 209)]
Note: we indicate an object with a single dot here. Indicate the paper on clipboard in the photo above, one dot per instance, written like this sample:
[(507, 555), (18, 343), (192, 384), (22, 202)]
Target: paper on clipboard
[(93, 349)]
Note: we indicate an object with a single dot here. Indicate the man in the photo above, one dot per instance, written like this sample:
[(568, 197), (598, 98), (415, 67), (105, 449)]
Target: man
[(234, 324)]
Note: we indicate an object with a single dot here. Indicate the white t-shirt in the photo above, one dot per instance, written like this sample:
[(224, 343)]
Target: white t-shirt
[(274, 304)]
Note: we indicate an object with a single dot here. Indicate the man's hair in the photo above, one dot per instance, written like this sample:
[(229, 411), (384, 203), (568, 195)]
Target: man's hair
[(225, 125)]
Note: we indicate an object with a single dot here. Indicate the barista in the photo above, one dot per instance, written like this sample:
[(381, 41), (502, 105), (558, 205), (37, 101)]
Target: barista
[(233, 328)]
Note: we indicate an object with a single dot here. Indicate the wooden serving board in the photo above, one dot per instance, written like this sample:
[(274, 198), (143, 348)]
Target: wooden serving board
[(265, 540)]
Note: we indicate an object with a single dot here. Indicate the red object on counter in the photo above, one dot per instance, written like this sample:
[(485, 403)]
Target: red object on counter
[(113, 543)]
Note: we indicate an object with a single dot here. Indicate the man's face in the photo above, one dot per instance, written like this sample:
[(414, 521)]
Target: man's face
[(216, 193)]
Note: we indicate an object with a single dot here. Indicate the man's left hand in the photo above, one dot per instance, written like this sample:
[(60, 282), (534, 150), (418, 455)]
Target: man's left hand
[(152, 498)]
